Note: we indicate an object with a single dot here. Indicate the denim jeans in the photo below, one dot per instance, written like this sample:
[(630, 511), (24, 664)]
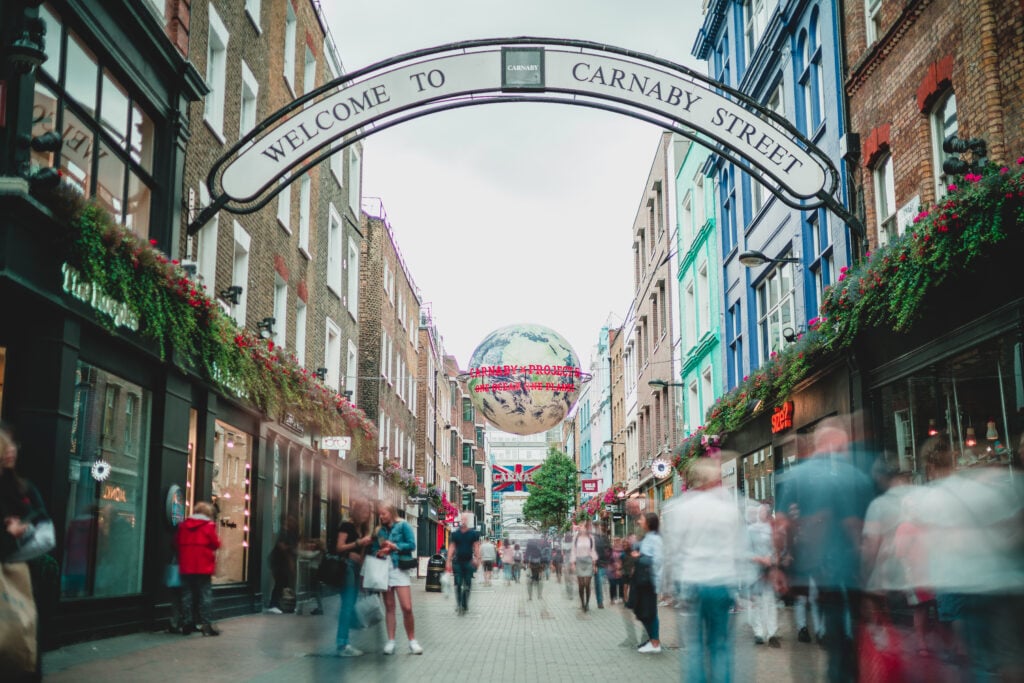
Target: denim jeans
[(599, 577), (349, 594), (709, 639), (463, 582), (196, 586)]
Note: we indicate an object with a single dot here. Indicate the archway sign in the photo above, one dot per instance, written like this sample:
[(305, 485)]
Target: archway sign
[(312, 127)]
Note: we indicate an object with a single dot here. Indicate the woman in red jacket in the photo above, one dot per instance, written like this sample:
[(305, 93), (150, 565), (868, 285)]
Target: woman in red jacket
[(197, 542)]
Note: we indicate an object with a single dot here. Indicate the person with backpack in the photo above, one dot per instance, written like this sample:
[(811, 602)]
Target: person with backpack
[(545, 557), (517, 562), (556, 558), (535, 562), (583, 559)]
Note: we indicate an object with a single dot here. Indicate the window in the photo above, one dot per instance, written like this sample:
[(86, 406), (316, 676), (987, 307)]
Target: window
[(707, 391), (332, 353), (755, 17), (734, 339), (776, 309), (280, 310), (284, 203), (240, 272), (216, 67), (467, 454), (305, 192), (689, 229), (352, 368), (309, 72), (690, 316), (334, 246), (467, 409), (885, 200), (353, 278), (252, 8), (704, 297), (944, 126), (250, 95), (728, 192), (105, 521), (385, 359), (354, 181), (873, 19), (777, 104), (809, 77), (823, 259), (694, 405), (290, 25), (300, 332), (107, 158), (337, 163), (389, 283), (698, 206)]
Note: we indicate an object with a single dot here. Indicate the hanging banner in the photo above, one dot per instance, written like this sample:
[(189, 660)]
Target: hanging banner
[(590, 485), (511, 478)]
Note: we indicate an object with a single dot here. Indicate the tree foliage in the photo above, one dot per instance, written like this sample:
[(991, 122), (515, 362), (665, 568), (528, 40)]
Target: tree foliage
[(553, 492)]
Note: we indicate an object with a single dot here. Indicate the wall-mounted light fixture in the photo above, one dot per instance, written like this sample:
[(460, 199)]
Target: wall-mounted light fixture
[(321, 374), (230, 443), (266, 327), (791, 335), (753, 259), (27, 50), (661, 384), (232, 294)]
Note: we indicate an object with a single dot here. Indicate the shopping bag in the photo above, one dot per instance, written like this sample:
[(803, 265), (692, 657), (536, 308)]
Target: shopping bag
[(17, 619), (375, 573), (172, 577), (881, 658), (446, 584), (369, 610)]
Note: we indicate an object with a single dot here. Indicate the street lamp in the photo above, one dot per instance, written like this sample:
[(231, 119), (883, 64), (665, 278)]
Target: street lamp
[(753, 259), (661, 384)]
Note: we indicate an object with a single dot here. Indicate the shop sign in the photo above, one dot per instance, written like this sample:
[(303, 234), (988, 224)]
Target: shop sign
[(336, 443), (114, 493), (291, 423), (522, 68), (591, 485), (100, 301), (512, 478), (782, 417)]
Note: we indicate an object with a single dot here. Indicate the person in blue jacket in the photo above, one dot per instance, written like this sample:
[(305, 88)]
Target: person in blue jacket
[(396, 541)]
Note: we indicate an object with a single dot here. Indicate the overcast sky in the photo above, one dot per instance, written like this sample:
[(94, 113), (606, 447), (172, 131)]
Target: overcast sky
[(521, 212)]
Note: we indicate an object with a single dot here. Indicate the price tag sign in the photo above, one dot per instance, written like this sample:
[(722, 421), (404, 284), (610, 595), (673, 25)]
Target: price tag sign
[(336, 443)]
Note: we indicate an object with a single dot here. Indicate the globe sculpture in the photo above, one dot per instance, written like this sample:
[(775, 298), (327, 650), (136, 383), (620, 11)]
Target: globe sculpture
[(524, 378)]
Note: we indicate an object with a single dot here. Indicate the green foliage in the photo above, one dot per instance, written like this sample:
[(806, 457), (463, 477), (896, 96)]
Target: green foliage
[(188, 327), (553, 493), (887, 290)]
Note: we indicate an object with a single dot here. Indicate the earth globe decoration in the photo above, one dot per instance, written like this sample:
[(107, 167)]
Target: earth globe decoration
[(524, 378)]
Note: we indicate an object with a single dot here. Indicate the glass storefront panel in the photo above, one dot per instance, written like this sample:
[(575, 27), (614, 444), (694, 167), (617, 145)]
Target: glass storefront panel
[(974, 400), (230, 495), (108, 454)]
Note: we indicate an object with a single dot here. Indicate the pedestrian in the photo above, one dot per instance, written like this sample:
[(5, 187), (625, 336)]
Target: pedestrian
[(313, 554), (567, 565), (556, 558), (507, 560), (396, 541), (628, 563), (603, 547), (464, 558), (28, 533), (764, 609), (707, 549), (352, 541), (614, 571), (535, 564), (197, 542), (517, 562), (545, 557), (282, 566), (488, 556), (582, 560), (647, 581)]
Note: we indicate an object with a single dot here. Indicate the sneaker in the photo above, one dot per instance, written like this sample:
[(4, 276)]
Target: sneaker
[(804, 636), (349, 651), (643, 644), (274, 610), (650, 649), (415, 648), (389, 647), (758, 640)]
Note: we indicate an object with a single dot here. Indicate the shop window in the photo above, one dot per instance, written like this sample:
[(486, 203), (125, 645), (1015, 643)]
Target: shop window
[(230, 494), (106, 503), (108, 156), (324, 502), (277, 496), (190, 466)]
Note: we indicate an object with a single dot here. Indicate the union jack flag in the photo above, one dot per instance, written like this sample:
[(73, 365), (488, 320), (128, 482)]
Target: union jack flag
[(511, 478)]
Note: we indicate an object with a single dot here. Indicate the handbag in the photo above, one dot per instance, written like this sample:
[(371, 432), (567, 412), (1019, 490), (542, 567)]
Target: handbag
[(18, 616), (332, 570), (42, 540), (406, 564), (375, 573), (369, 610), (172, 576)]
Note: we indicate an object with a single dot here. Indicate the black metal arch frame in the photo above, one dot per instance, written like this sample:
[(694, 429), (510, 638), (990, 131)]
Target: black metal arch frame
[(426, 106)]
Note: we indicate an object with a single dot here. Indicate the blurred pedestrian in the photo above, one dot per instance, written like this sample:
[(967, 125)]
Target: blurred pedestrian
[(582, 561), (488, 556), (614, 571), (535, 565), (568, 577), (629, 544), (707, 549), (545, 557), (647, 582), (507, 561), (463, 558), (352, 541), (197, 542), (282, 567), (764, 608), (395, 540), (28, 534), (517, 562), (603, 548), (556, 557)]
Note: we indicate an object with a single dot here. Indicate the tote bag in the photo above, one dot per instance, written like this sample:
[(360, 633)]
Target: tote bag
[(17, 619), (369, 610), (375, 573)]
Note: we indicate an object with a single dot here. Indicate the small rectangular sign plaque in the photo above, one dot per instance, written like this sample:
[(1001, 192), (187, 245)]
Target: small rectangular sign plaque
[(336, 443), (522, 68), (591, 485)]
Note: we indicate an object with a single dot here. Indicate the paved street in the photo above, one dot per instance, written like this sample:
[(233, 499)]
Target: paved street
[(505, 637)]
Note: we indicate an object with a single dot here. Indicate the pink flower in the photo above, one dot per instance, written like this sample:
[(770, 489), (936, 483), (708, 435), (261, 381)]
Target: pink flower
[(952, 187), (920, 217), (1004, 170), (972, 177), (1020, 160)]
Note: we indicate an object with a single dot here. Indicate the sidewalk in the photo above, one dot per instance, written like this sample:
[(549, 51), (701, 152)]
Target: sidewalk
[(504, 637)]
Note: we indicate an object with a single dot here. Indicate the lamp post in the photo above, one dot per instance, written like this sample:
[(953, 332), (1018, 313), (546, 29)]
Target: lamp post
[(754, 258)]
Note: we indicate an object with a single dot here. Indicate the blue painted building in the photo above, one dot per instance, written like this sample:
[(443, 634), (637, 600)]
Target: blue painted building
[(784, 54)]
